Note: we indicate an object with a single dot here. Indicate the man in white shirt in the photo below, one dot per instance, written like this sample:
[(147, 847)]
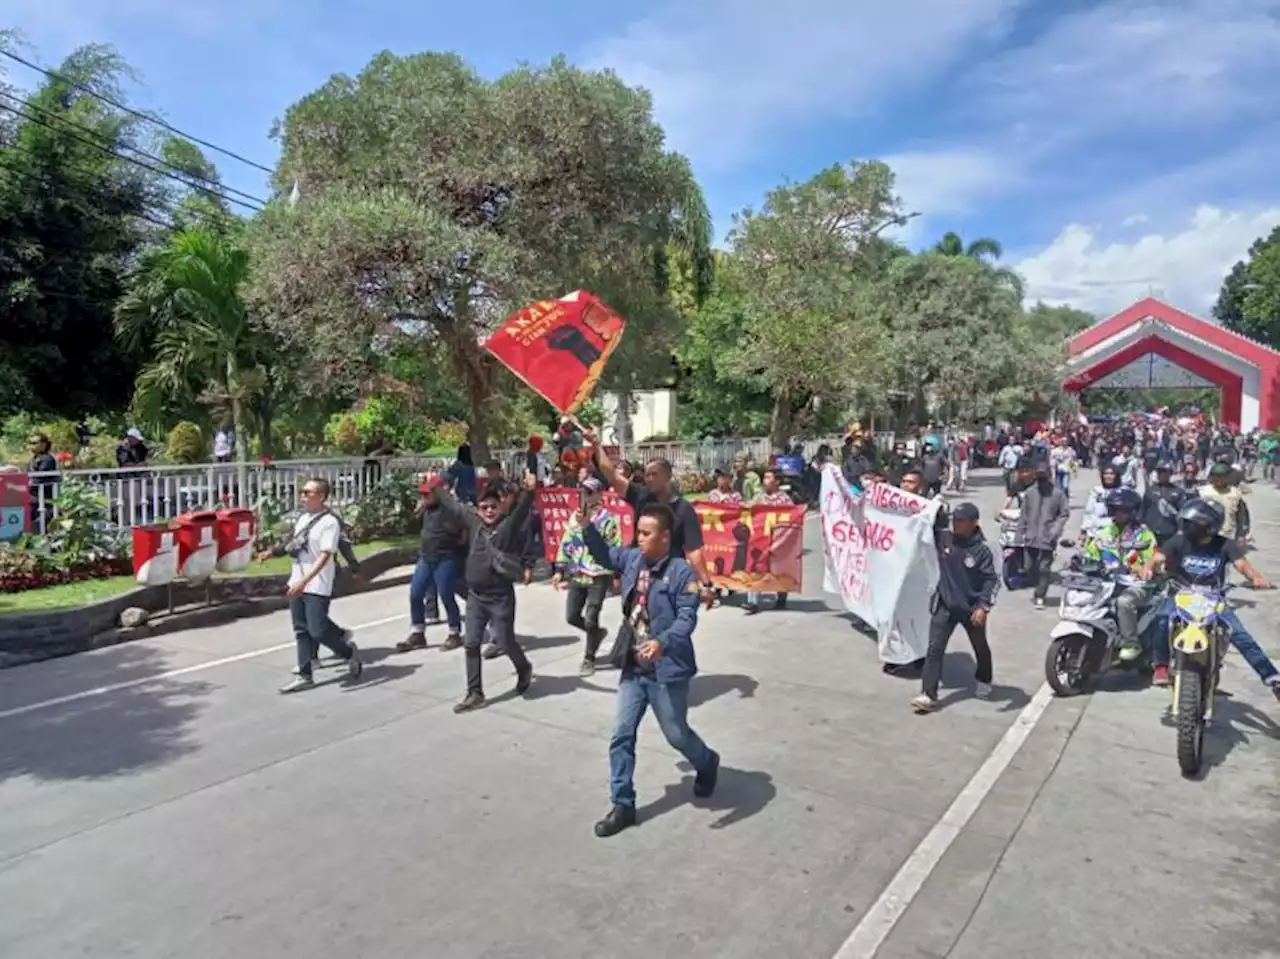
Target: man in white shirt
[(315, 541)]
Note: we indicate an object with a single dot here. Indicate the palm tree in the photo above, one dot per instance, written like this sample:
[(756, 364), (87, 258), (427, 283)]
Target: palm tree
[(985, 249), (952, 244), (184, 307)]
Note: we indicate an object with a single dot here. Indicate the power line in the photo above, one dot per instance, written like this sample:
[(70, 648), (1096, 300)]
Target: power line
[(53, 115), (137, 113), (128, 159)]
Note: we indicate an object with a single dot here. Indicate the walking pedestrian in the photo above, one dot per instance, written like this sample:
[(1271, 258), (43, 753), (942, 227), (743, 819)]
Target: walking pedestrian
[(436, 572), (492, 568), (1041, 520), (967, 588), (316, 536), (587, 581), (660, 598)]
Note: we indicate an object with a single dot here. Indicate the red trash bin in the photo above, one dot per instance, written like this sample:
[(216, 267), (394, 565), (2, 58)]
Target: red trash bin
[(155, 554), (236, 531), (197, 545)]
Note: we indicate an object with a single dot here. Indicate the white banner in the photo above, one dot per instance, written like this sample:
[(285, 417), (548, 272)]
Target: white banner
[(879, 555)]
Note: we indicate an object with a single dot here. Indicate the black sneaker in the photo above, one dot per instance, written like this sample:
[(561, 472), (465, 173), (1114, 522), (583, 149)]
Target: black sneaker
[(469, 702), (780, 602), (524, 679), (705, 783), (750, 608), (618, 819)]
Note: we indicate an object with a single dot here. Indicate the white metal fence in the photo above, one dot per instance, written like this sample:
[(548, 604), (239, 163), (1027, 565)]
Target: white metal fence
[(137, 497)]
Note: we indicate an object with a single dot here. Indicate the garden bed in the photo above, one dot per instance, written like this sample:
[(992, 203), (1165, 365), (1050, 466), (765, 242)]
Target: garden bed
[(85, 591)]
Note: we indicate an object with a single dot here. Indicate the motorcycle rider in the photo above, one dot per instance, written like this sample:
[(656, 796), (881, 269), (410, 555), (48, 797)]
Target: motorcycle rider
[(1199, 555), (1095, 507), (1162, 502), (1126, 541)]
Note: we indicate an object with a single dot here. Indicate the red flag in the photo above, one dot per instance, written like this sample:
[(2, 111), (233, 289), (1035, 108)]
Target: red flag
[(559, 347)]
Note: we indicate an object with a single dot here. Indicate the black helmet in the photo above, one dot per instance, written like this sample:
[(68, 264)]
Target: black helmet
[(1201, 519), (1123, 500)]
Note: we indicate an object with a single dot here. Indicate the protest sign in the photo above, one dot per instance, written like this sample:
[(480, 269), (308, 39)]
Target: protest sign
[(559, 347), (557, 503), (879, 555), (756, 548)]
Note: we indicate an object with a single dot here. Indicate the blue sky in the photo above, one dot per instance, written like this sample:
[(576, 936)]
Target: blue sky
[(1115, 148)]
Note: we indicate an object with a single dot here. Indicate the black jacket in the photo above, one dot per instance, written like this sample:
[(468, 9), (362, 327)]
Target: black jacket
[(967, 578), (441, 533), (1160, 506), (493, 558)]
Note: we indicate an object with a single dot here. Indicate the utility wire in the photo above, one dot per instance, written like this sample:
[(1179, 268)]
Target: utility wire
[(58, 117), (128, 159), (137, 113)]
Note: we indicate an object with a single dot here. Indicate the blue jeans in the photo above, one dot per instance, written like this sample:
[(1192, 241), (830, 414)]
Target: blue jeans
[(313, 628), (1241, 639), (670, 702), (1064, 481), (435, 576)]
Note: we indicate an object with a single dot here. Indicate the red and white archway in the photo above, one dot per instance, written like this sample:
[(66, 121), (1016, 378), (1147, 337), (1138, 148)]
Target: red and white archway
[(1151, 344)]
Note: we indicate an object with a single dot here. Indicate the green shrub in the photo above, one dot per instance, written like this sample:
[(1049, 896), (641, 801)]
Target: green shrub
[(62, 436), (79, 534), (386, 510), (342, 432), (186, 444), (451, 433)]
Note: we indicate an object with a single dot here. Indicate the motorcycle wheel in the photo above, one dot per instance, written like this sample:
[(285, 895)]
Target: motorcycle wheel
[(1189, 719), (1064, 665)]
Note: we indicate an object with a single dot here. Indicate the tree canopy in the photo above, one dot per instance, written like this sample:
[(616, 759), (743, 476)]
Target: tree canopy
[(434, 202), (1249, 302)]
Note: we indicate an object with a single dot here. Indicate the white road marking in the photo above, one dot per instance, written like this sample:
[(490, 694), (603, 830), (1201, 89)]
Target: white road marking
[(874, 927), (185, 670)]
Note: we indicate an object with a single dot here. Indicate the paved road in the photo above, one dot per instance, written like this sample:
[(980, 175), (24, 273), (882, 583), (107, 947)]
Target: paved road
[(161, 800)]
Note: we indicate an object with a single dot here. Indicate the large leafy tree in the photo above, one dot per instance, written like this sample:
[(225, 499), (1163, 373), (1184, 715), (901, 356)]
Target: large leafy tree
[(953, 244), (186, 301), (1249, 301), (800, 273), (433, 202), (74, 215), (955, 340)]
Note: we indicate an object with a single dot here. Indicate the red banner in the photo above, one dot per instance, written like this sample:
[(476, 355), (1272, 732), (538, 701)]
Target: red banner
[(758, 548), (558, 503), (559, 347)]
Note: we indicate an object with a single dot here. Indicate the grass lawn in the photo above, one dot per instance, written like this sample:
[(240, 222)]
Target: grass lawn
[(71, 595)]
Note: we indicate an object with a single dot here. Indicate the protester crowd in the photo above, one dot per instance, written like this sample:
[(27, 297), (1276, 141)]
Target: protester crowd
[(481, 535)]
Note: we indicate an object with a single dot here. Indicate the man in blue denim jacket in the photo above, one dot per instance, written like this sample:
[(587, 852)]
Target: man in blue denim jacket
[(660, 596)]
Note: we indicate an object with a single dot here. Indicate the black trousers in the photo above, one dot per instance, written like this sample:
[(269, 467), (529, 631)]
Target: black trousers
[(1038, 564), (582, 610), (942, 624), (496, 610)]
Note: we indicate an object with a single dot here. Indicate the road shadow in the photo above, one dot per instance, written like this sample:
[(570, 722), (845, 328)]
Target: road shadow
[(545, 687), (117, 732), (957, 677), (740, 794), (704, 688), (1235, 724)]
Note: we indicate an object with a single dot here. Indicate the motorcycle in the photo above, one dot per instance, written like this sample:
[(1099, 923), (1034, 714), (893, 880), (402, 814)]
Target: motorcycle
[(1198, 638), (1085, 643), (1013, 568)]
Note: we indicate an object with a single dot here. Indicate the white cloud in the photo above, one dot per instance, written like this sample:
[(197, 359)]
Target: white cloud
[(727, 74), (1134, 219), (1184, 268), (1136, 65)]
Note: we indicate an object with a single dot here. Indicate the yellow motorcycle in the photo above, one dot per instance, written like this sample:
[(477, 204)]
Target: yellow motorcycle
[(1199, 640)]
